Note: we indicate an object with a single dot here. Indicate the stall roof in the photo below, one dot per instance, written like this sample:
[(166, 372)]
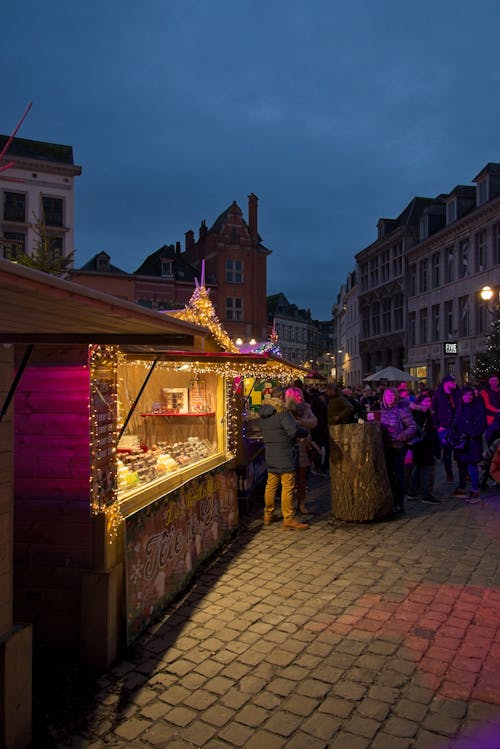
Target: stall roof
[(264, 364), (36, 307)]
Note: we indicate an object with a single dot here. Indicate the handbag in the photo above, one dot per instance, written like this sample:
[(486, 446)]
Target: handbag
[(456, 440), (417, 438)]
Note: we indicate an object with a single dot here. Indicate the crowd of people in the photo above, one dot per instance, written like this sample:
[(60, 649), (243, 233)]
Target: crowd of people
[(457, 427)]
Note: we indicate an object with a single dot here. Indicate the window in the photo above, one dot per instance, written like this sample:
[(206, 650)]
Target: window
[(56, 246), (481, 250), (435, 322), (364, 271), (397, 260), (385, 265), (451, 211), (423, 317), (375, 321), (463, 258), (482, 317), (234, 308), (386, 315), (102, 264), (450, 264), (436, 270), (398, 312), (14, 206), (496, 258), (424, 275), (167, 268), (53, 211), (463, 316), (234, 271), (14, 244), (412, 279), (412, 328), (482, 192), (448, 319), (365, 322), (374, 272)]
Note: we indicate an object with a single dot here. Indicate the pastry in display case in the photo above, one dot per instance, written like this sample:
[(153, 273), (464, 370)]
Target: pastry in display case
[(170, 426)]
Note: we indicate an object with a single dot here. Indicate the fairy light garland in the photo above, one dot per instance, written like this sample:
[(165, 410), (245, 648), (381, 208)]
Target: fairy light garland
[(103, 363), (200, 310)]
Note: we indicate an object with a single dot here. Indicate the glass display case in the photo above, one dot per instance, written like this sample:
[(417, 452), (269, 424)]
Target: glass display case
[(171, 426)]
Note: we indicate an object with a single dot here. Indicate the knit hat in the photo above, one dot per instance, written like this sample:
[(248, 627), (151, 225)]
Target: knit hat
[(277, 392)]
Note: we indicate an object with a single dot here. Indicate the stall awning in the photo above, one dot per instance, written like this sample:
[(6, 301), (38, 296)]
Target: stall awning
[(265, 365), (36, 307)]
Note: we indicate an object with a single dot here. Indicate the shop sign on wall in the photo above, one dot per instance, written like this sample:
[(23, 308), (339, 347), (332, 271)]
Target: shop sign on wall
[(168, 539), (450, 348)]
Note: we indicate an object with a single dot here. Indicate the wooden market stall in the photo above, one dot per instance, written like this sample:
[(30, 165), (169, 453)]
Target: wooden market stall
[(122, 451)]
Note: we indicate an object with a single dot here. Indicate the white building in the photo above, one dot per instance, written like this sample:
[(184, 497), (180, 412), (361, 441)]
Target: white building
[(39, 186)]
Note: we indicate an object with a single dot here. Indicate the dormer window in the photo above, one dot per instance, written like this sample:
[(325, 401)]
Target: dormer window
[(424, 227), (451, 211), (482, 191), (102, 263), (167, 268)]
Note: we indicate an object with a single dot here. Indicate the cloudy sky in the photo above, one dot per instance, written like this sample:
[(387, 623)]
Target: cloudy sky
[(333, 113)]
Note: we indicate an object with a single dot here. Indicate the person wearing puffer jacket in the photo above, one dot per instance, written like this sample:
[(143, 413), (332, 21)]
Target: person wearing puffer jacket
[(279, 432), (303, 415), (398, 426)]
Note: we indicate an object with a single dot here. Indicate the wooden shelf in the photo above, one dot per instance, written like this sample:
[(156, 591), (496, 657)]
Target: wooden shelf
[(176, 413)]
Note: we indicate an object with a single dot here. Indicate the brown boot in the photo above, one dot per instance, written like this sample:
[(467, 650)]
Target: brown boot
[(295, 524)]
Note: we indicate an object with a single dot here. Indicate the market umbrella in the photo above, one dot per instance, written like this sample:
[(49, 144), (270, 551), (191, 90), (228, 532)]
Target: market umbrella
[(391, 374)]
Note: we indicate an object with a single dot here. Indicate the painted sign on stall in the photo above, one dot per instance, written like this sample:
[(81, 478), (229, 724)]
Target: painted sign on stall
[(167, 540)]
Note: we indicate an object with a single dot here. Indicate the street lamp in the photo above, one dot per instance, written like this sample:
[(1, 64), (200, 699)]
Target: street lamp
[(486, 293)]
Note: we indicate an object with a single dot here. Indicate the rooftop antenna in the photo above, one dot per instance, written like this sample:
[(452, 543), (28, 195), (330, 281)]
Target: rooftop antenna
[(9, 140)]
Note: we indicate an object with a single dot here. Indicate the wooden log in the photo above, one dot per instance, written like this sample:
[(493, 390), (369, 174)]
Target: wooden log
[(360, 488)]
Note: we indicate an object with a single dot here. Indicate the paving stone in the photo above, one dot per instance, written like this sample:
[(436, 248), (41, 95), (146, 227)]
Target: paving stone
[(265, 740), (322, 726), (235, 734), (283, 723), (400, 727), (343, 740), (131, 729)]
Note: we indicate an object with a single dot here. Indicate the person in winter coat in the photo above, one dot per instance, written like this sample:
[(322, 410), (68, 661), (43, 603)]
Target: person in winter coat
[(491, 397), (339, 409), (398, 426), (279, 431), (303, 415), (443, 407), (423, 451), (470, 420)]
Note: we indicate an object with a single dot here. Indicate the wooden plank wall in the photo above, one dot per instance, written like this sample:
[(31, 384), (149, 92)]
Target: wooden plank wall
[(6, 505), (53, 528)]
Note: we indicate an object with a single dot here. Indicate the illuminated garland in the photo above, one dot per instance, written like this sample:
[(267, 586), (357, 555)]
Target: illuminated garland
[(103, 362), (200, 310)]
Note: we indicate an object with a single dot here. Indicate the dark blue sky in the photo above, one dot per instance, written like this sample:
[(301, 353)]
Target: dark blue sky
[(333, 114)]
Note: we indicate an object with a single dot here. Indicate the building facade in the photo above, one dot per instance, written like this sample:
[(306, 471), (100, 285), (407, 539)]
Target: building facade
[(453, 260), (420, 283), (38, 187), (302, 340)]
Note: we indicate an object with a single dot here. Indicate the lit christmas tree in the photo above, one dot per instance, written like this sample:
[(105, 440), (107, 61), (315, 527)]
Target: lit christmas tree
[(488, 361), (271, 346), (200, 310)]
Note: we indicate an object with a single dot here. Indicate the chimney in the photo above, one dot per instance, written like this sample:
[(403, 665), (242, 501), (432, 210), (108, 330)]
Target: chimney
[(203, 229), (189, 239), (177, 248), (252, 214)]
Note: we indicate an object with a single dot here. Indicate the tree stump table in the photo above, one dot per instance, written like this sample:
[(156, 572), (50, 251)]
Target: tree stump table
[(360, 487)]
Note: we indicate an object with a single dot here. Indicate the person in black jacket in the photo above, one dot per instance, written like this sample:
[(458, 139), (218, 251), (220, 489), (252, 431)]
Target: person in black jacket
[(423, 451), (443, 407), (470, 421), (279, 432)]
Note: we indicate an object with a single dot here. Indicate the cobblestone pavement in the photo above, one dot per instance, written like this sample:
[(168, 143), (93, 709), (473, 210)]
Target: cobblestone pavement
[(381, 636)]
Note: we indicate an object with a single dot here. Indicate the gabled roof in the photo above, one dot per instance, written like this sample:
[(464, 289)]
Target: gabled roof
[(219, 222), (183, 271), (490, 168), (92, 266)]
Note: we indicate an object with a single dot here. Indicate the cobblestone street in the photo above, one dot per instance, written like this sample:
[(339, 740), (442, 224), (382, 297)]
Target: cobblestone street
[(377, 636)]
